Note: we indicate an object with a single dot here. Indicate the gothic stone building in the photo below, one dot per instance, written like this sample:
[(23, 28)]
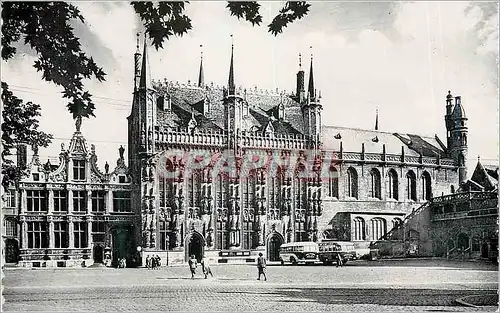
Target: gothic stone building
[(358, 184), (462, 224), (69, 214)]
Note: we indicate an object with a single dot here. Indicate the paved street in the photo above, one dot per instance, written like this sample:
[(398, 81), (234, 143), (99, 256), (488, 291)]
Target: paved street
[(410, 285)]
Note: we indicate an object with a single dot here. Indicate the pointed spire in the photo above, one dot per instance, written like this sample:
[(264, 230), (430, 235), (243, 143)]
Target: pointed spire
[(310, 89), (201, 78), (230, 84), (376, 120), (143, 80)]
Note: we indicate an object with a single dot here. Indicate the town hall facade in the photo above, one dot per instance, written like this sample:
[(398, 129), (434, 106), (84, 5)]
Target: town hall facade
[(189, 144)]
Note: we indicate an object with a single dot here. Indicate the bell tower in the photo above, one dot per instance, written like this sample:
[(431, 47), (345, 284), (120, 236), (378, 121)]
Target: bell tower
[(457, 131), (233, 106), (311, 110)]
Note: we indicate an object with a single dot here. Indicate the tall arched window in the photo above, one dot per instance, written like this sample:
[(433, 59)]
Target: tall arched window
[(352, 183), (411, 186), (222, 196), (426, 186), (392, 185), (333, 183), (194, 189), (249, 190), (248, 229), (359, 229), (378, 228), (375, 184)]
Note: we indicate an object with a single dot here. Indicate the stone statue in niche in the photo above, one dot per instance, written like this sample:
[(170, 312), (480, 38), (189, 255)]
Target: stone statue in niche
[(78, 123), (151, 174), (106, 167), (153, 239), (121, 150), (209, 239)]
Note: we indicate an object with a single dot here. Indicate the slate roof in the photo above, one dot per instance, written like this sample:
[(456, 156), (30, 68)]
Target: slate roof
[(263, 108), (352, 139), (184, 100)]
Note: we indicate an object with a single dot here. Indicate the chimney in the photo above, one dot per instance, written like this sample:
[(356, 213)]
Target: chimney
[(300, 82)]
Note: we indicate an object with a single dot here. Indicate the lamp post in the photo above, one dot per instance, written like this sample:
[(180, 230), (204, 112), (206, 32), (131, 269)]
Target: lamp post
[(168, 244)]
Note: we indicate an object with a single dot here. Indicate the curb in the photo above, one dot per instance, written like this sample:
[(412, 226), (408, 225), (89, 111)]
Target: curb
[(465, 302)]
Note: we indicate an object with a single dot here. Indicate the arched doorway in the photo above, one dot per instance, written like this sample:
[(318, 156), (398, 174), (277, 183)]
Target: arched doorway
[(122, 244), (195, 245), (273, 247), (98, 254), (11, 251)]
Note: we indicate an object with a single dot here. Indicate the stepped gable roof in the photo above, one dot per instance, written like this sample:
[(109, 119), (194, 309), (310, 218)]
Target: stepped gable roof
[(352, 139), (183, 98)]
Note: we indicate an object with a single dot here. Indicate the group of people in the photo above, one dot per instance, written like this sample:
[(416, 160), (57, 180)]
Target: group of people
[(122, 263), (205, 266), (153, 262)]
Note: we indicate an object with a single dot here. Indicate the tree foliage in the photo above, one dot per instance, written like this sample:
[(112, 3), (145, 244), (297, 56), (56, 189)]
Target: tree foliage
[(19, 125), (45, 27), (164, 19)]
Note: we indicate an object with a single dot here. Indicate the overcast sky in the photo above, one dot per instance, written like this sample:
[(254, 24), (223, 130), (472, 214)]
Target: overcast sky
[(401, 58)]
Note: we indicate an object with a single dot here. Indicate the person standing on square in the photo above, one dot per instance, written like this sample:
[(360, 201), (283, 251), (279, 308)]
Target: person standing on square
[(261, 266)]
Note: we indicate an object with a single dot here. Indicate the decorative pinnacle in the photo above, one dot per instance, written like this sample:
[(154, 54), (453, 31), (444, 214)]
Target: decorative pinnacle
[(138, 35), (232, 42), (311, 48), (201, 48), (300, 60)]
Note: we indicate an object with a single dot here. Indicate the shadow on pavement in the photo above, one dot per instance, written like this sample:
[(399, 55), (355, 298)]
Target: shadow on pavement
[(442, 263), (391, 297)]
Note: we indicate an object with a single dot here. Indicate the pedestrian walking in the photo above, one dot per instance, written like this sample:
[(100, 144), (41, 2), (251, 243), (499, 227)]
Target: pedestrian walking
[(205, 266), (192, 266), (148, 262), (261, 266), (339, 260), (158, 261)]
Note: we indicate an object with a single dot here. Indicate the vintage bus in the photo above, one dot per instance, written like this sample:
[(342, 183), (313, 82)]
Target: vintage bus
[(328, 251), (299, 252)]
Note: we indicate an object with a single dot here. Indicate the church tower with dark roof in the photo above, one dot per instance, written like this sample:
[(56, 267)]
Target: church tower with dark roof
[(233, 106), (456, 127), (311, 110)]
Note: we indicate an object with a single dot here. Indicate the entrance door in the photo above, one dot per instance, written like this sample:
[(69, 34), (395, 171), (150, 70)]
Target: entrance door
[(195, 246), (273, 247), (11, 251), (122, 236), (98, 254), (484, 250)]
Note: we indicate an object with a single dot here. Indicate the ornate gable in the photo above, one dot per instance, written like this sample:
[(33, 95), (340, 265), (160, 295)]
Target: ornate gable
[(120, 171), (35, 170)]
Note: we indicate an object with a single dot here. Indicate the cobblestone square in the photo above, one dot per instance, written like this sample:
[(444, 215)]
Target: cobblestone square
[(409, 285)]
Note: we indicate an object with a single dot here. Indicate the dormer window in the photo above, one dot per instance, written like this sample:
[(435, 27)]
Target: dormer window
[(121, 179), (79, 169), (36, 177)]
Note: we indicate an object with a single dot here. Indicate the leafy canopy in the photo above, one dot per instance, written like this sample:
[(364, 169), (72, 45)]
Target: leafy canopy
[(19, 125)]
